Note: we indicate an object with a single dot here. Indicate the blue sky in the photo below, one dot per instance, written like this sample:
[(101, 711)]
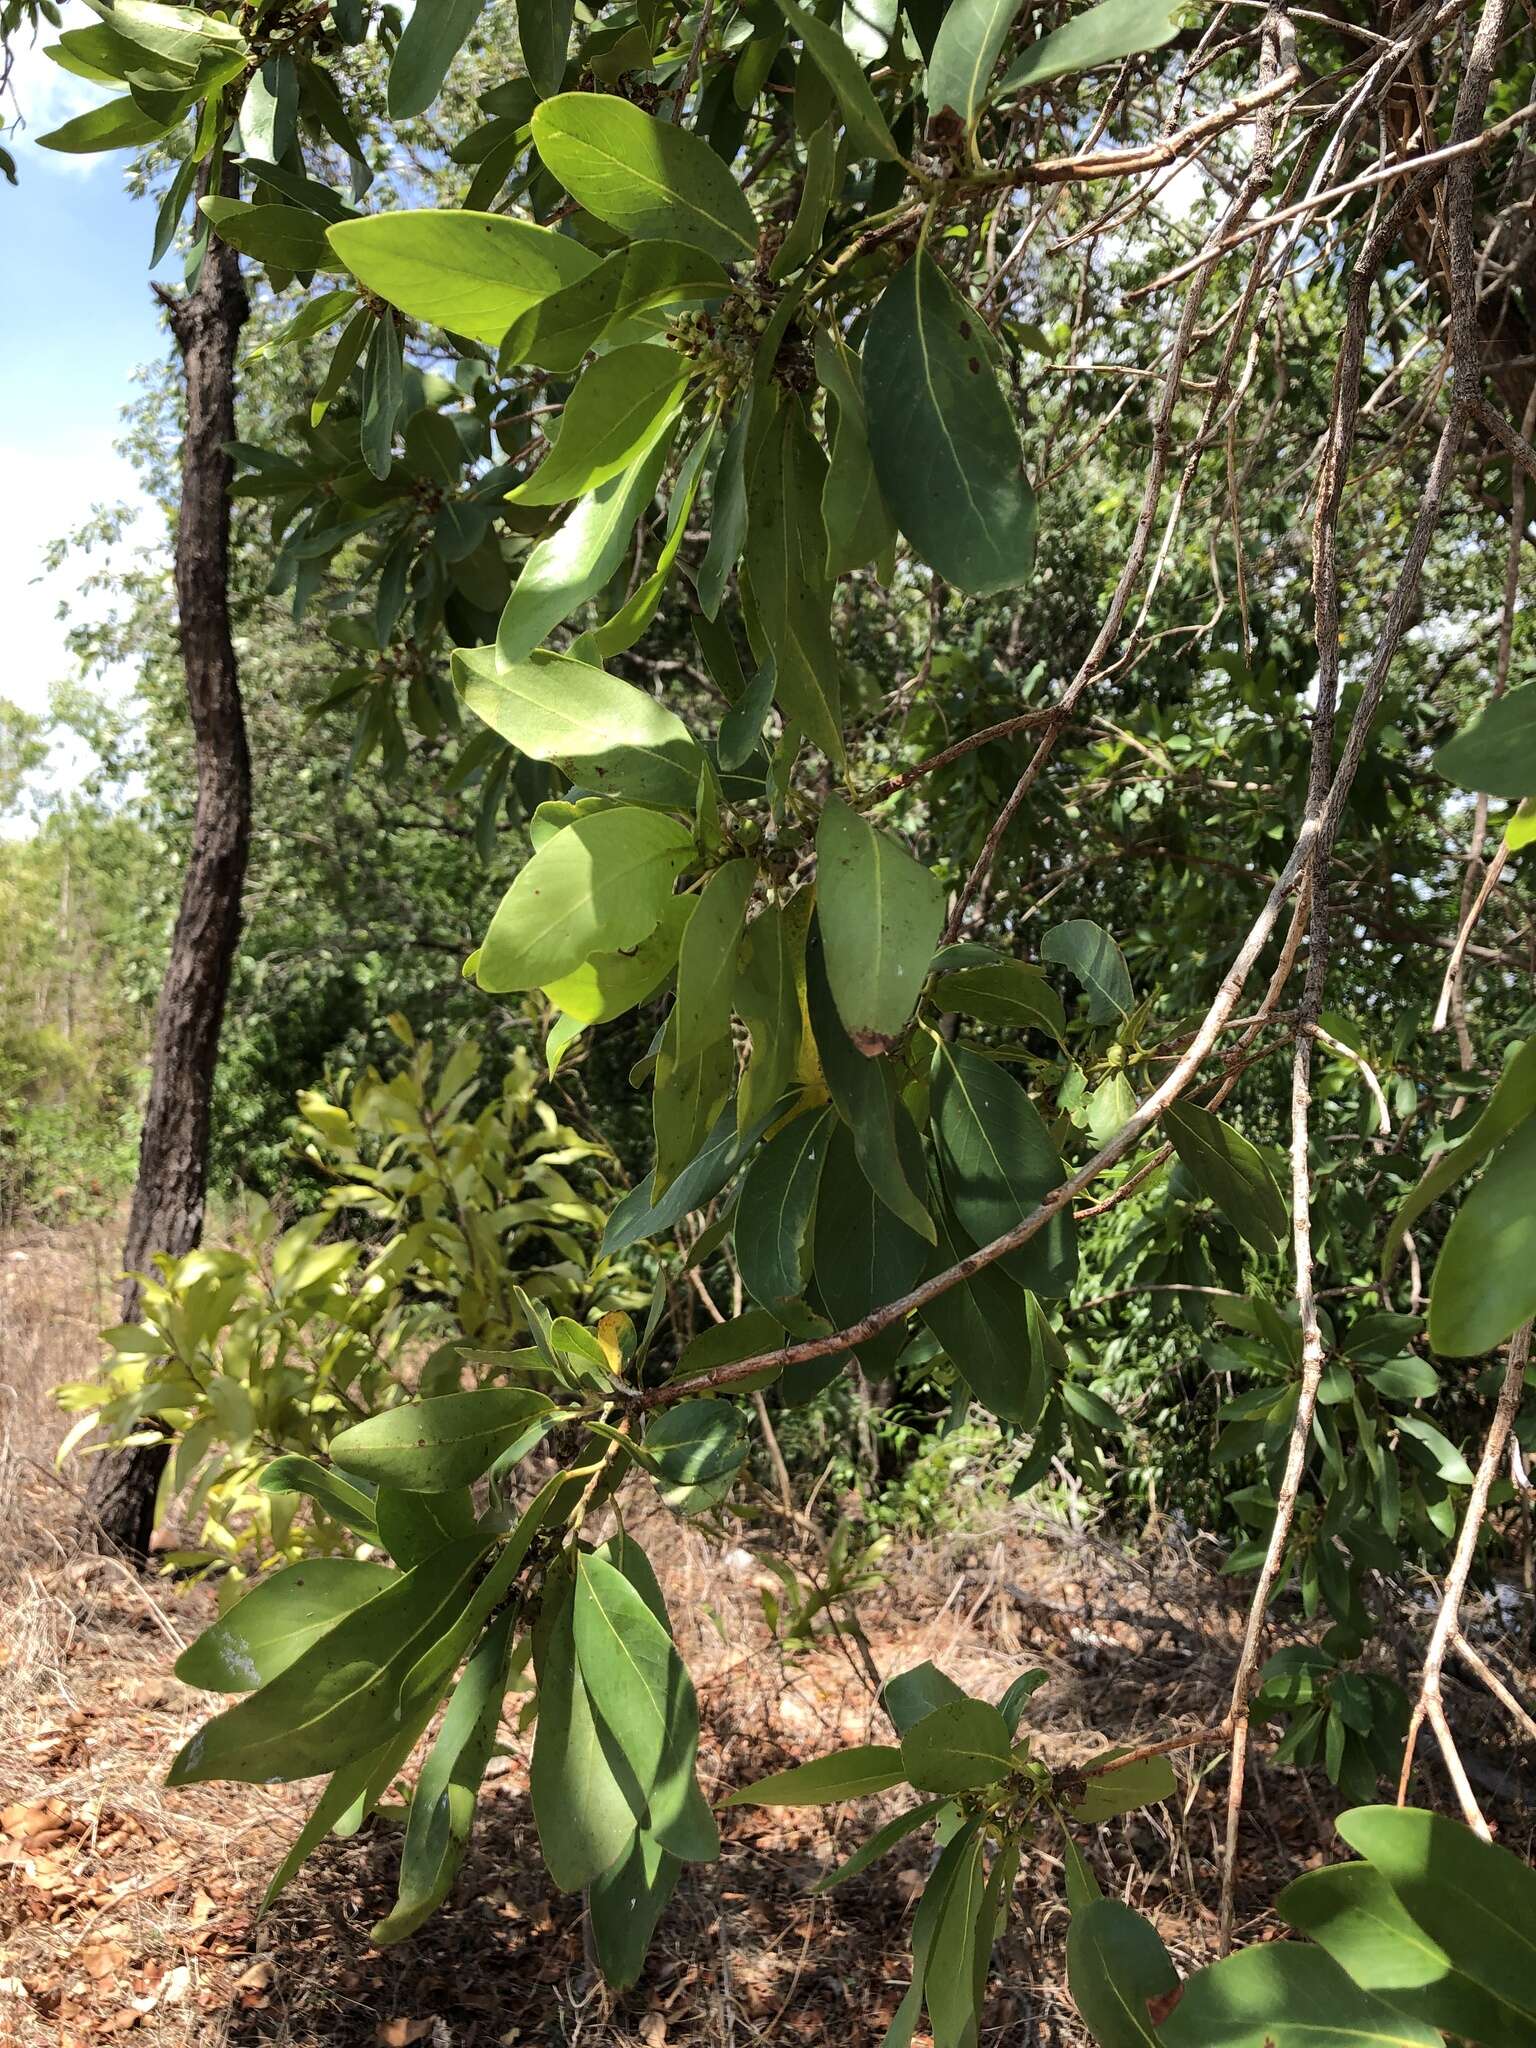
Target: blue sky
[(79, 319)]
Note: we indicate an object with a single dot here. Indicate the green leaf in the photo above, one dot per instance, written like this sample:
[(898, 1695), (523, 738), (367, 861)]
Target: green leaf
[(1122, 1791), (688, 1094), (608, 984), (344, 1695), (443, 1804), (1476, 1900), (865, 1256), (1284, 1995), (286, 236), (1099, 35), (336, 1495), (998, 1164), (1020, 1692), (544, 37), (866, 125), (881, 913), (641, 1214), (600, 884), (433, 1446), (1116, 1967), (859, 528), (1496, 753), (559, 330), (431, 40), (614, 412), (770, 971), (910, 1695), (1512, 1101), (1009, 994), (626, 1902), (649, 178), (775, 1208), (644, 1703), (696, 1445), (728, 526), (1351, 1911), (600, 731), (944, 442), (383, 394), (706, 966), (415, 1526), (1484, 1286), (1231, 1172), (957, 1746), (1093, 959), (472, 273), (584, 1819), (961, 1947), (846, 1774), (785, 567), (119, 124), (965, 55), (862, 1094), (881, 1842), (277, 1621), (805, 231), (580, 556), (1449, 1463), (983, 1325)]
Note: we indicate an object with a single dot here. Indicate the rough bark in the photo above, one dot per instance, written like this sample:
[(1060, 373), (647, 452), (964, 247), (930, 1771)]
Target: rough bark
[(169, 1194)]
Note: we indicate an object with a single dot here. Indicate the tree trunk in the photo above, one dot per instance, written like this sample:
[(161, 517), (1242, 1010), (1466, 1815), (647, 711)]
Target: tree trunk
[(169, 1194)]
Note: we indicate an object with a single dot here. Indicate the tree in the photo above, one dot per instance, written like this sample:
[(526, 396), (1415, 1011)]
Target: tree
[(788, 279)]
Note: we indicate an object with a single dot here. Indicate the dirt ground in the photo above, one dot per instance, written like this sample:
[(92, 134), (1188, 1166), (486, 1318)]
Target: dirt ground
[(130, 1909)]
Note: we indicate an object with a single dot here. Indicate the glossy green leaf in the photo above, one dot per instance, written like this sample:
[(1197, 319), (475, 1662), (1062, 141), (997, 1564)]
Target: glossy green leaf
[(287, 236), (859, 528), (943, 438), (881, 913), (1117, 1968), (600, 884), (415, 1526), (706, 967), (580, 556), (647, 177), (998, 1164), (1496, 753), (950, 1988), (845, 1774), (472, 273), (383, 394), (583, 1816), (881, 1842), (1512, 1101), (688, 1094), (1473, 1898), (965, 55), (611, 415), (696, 1445), (432, 1446), (608, 984), (1020, 1692), (277, 1620), (1093, 959), (544, 37), (119, 124), (443, 1803), (1122, 1791), (336, 1495), (1350, 1910), (983, 1324), (1009, 994), (344, 1694), (865, 1256), (805, 230), (1484, 1284), (785, 566), (644, 1704), (775, 1208), (867, 127), (1098, 35), (862, 1093), (1285, 1995), (625, 1904), (770, 970), (642, 1213), (599, 730), (957, 1746), (1231, 1171), (728, 526), (910, 1695), (559, 330), (428, 45)]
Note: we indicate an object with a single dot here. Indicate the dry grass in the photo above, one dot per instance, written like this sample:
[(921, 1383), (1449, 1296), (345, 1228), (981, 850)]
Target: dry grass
[(131, 1909)]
